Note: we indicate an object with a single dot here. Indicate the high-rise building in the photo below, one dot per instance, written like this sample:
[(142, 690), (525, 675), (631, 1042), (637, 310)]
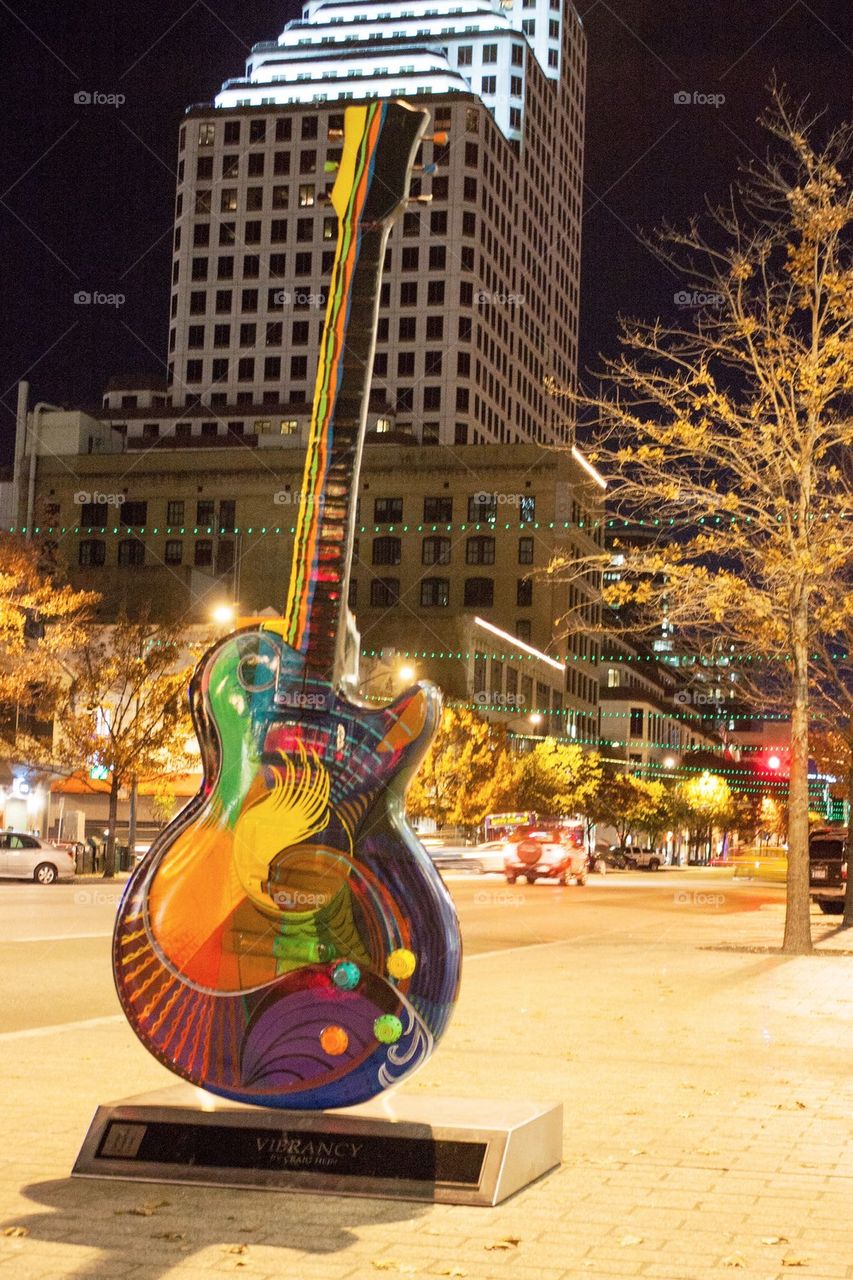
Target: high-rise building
[(481, 286)]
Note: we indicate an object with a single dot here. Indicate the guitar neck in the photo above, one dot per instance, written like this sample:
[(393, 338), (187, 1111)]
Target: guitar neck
[(380, 141)]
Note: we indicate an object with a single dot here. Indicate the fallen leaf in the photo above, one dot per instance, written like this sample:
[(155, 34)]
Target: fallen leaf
[(735, 1260), (506, 1242), (16, 1232), (774, 1239), (794, 1260), (629, 1240)]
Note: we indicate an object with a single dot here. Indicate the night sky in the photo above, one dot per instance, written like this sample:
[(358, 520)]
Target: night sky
[(88, 190)]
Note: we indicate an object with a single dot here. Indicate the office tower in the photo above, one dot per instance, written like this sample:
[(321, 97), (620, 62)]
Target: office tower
[(481, 287)]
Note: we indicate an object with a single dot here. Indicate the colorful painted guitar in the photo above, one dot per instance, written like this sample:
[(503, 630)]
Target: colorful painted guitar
[(287, 941)]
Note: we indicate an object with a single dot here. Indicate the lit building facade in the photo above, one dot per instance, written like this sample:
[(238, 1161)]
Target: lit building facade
[(481, 285)]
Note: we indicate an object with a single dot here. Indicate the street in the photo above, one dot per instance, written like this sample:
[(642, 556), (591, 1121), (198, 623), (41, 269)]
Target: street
[(704, 1077), (56, 939)]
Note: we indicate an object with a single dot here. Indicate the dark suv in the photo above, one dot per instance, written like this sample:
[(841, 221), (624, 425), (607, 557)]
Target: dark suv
[(828, 868)]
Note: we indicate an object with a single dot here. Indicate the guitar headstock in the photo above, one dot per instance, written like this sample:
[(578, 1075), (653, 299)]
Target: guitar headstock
[(388, 132)]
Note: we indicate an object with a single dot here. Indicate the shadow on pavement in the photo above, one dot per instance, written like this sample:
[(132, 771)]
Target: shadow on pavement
[(153, 1227)]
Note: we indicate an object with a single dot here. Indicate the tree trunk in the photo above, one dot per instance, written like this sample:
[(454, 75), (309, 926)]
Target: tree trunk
[(847, 920), (110, 855), (798, 933)]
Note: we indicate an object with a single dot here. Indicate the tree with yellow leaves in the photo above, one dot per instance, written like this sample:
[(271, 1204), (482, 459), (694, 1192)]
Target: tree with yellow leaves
[(468, 772), (728, 430), (126, 708), (43, 623)]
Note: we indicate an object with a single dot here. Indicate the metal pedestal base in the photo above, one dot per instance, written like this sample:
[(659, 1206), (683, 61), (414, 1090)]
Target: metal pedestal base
[(399, 1146)]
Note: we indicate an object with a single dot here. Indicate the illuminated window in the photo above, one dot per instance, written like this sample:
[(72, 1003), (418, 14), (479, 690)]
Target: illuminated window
[(288, 426), (307, 196)]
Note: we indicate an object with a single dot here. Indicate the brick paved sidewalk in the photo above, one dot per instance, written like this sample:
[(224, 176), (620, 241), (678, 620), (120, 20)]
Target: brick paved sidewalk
[(709, 1115)]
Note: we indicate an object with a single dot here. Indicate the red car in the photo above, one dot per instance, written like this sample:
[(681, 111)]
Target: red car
[(544, 853)]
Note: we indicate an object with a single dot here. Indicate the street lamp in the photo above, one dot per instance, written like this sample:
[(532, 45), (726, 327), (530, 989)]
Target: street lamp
[(535, 719), (407, 673), (223, 614), (669, 762)]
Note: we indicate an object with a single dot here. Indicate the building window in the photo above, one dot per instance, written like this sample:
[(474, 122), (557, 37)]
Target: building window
[(524, 593), (405, 364), (437, 257), (435, 327), (489, 84), (490, 53), (221, 335), (409, 260), (256, 165), (409, 293), (246, 369), (525, 551), (175, 507), (483, 508), (435, 593), (203, 554), (636, 729), (386, 551), (384, 592), (92, 552), (282, 130), (209, 429), (526, 508), (435, 551), (131, 552), (438, 510), (388, 510), (199, 269), (464, 55), (435, 293), (257, 130), (225, 556), (479, 593), (307, 196), (432, 397), (232, 133), (299, 368), (150, 431), (523, 631), (204, 168), (184, 431), (614, 677), (480, 551), (204, 511), (134, 514), (254, 199), (174, 551)]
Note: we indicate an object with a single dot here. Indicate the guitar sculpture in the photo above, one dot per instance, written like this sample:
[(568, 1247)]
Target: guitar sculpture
[(287, 941)]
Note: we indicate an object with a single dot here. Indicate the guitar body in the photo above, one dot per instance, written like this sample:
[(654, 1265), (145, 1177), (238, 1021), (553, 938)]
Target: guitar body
[(292, 871), (286, 940)]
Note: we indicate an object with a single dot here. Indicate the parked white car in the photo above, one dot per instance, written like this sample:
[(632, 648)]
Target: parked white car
[(27, 857)]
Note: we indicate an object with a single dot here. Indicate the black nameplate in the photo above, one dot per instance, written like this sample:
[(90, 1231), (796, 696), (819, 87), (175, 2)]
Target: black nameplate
[(216, 1146)]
